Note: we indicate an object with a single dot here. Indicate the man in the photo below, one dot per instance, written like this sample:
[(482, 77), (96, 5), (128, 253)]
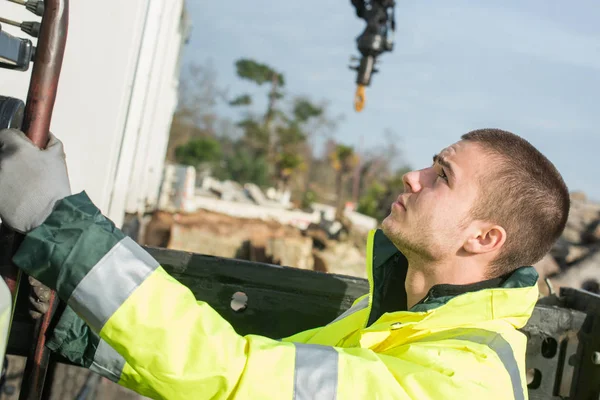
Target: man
[(441, 320)]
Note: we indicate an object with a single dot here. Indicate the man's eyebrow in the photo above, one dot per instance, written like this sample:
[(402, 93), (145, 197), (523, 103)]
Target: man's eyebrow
[(443, 162)]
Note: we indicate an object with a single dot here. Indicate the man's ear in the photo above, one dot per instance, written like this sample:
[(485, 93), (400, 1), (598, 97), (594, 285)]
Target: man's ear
[(485, 238)]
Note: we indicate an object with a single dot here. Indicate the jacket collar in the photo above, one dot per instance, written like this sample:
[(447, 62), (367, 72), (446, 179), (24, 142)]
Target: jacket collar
[(387, 275)]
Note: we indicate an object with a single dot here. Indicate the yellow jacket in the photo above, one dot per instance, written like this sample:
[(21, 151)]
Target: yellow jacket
[(460, 342), (6, 306)]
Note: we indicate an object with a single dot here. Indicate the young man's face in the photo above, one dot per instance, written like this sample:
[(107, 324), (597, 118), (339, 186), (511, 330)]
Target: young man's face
[(430, 218)]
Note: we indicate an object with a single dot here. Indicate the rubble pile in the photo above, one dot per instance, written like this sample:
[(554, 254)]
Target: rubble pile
[(215, 234), (573, 262), (575, 259)]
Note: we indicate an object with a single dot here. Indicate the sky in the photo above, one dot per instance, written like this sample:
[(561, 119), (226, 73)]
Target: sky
[(532, 68)]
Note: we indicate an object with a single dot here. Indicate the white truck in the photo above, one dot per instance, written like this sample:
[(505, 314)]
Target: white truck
[(116, 96)]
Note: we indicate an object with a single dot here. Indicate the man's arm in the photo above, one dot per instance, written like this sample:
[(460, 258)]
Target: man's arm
[(179, 347)]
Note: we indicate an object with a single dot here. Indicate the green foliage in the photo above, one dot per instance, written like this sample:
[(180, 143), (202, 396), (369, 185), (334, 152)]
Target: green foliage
[(256, 72), (198, 151), (287, 164), (255, 134), (289, 161), (308, 197), (241, 100), (272, 146), (379, 196), (196, 113), (243, 164), (304, 110), (343, 159), (290, 135), (344, 152), (369, 202)]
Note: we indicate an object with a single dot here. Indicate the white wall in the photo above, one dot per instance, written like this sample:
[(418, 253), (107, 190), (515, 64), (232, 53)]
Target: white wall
[(103, 90), (143, 185)]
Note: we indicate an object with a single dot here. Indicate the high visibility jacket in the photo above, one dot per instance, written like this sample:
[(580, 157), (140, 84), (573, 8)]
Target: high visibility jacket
[(460, 342), (5, 319)]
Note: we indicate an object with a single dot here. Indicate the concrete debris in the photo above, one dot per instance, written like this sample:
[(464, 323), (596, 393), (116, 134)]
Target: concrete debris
[(216, 234), (182, 191), (574, 261), (256, 194), (230, 220)]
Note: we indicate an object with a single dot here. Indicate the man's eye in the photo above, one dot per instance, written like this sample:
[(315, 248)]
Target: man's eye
[(442, 175)]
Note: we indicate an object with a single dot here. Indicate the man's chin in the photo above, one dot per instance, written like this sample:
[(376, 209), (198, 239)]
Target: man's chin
[(395, 233), (387, 224), (390, 227)]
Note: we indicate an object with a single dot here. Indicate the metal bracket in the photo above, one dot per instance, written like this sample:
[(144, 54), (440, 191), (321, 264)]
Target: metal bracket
[(15, 53)]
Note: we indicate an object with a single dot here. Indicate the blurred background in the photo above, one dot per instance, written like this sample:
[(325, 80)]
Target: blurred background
[(228, 128)]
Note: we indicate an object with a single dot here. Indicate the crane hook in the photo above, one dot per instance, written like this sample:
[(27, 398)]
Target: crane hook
[(359, 98)]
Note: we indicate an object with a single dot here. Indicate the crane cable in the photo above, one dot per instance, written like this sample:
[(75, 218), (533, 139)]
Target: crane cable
[(359, 98)]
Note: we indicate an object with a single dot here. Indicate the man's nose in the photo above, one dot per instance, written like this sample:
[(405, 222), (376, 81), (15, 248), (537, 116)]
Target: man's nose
[(412, 183)]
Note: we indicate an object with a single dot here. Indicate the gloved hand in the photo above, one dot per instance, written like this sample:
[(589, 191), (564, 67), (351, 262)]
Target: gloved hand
[(31, 180), (39, 298)]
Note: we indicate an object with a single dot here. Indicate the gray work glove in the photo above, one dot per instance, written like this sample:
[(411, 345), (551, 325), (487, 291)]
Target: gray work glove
[(31, 180)]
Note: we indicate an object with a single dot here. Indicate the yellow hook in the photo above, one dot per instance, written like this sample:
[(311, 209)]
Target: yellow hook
[(359, 98)]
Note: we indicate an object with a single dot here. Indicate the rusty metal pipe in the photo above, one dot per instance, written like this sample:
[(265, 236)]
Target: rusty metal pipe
[(42, 89), (46, 71), (36, 125)]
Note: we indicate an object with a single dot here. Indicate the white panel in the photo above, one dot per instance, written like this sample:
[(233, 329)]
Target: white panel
[(171, 21), (94, 90), (166, 103), (116, 97), (139, 104)]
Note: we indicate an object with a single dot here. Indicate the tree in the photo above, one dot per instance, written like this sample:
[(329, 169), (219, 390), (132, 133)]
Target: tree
[(255, 135), (304, 110), (287, 165), (241, 100), (380, 194), (343, 160), (380, 176), (195, 115), (269, 146), (292, 132), (256, 72), (260, 74), (369, 203), (281, 132), (242, 164), (198, 151)]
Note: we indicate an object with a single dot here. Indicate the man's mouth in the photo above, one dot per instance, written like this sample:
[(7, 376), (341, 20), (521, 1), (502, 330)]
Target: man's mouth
[(400, 202)]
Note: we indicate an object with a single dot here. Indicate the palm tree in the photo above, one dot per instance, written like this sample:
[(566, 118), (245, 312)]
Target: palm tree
[(343, 160)]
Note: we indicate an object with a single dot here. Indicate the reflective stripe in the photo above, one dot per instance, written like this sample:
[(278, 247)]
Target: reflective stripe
[(494, 341), (110, 282), (316, 372), (107, 362), (361, 305), (6, 303)]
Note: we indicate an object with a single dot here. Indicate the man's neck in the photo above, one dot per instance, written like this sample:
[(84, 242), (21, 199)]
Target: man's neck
[(421, 278)]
